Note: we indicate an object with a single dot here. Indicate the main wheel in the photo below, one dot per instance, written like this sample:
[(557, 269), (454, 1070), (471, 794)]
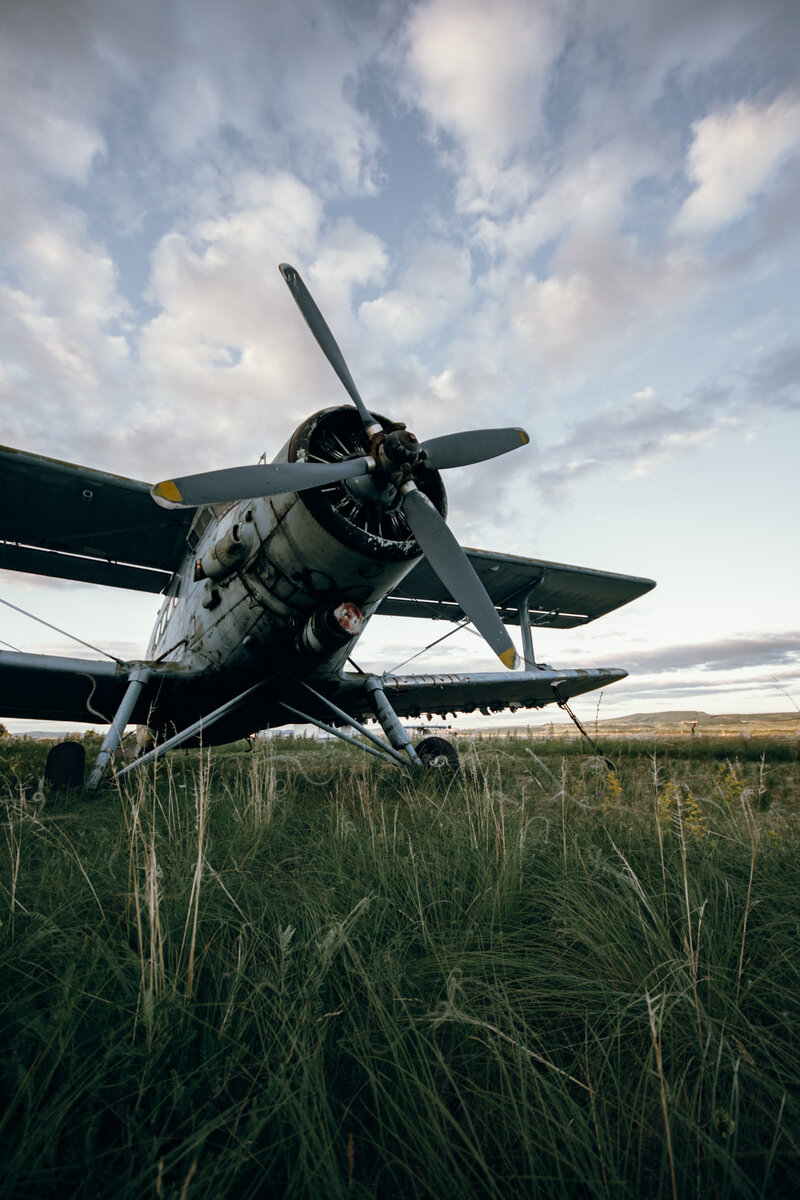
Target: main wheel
[(438, 754), (65, 767)]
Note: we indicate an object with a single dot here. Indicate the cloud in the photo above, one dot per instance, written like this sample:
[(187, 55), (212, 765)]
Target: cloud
[(479, 72), (760, 671), (658, 48), (736, 153), (434, 288), (226, 357), (208, 141), (648, 429), (281, 78), (754, 691), (565, 153), (725, 654), (775, 379), (640, 434), (63, 331)]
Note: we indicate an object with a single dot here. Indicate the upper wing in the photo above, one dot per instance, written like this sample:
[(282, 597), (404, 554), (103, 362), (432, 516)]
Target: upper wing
[(412, 695), (560, 596), (73, 522)]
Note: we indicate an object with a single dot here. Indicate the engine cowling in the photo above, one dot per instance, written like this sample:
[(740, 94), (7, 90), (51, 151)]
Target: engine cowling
[(306, 553), (356, 512), (343, 540)]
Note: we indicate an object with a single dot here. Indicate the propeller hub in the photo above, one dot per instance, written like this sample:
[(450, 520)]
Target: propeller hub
[(400, 448), (367, 490)]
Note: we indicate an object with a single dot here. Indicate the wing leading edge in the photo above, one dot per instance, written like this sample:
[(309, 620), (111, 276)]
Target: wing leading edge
[(73, 522), (559, 596)]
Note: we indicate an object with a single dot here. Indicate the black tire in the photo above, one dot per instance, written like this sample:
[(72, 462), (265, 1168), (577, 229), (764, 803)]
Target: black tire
[(439, 755), (65, 767)]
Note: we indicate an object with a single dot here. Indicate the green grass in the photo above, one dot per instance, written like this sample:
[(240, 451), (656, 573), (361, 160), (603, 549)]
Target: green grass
[(290, 972)]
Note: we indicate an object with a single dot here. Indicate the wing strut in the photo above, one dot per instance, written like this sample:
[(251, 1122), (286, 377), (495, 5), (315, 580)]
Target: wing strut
[(399, 741), (136, 681), (525, 624), (345, 737), (189, 732)]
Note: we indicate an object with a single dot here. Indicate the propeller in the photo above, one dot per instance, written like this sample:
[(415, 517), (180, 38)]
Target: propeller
[(327, 343), (391, 462), (472, 446), (263, 479), (456, 571)]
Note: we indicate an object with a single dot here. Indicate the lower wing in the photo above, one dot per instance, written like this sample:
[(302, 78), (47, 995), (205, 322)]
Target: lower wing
[(414, 695), (47, 687)]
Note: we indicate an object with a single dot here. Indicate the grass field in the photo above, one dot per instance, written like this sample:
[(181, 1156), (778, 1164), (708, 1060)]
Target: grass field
[(293, 972)]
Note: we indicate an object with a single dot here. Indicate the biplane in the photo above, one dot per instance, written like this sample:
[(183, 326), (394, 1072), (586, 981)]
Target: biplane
[(270, 573)]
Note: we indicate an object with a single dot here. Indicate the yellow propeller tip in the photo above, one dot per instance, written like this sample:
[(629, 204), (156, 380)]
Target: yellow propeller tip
[(523, 437), (168, 490), (509, 658)]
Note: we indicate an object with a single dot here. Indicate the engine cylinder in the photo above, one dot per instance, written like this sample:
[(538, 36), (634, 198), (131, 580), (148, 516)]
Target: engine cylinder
[(350, 512)]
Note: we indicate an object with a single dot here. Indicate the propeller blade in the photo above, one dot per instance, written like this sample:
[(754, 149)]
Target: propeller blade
[(325, 339), (262, 479), (456, 572), (471, 446)]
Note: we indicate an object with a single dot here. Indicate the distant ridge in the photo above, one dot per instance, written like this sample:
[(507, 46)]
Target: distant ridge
[(689, 716), (670, 723), (690, 721), (671, 717)]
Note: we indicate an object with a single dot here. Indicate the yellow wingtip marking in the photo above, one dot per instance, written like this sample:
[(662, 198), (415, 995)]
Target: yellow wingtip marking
[(509, 658), (523, 437), (168, 490)]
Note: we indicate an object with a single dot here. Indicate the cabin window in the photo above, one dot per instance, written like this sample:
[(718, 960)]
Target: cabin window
[(202, 520)]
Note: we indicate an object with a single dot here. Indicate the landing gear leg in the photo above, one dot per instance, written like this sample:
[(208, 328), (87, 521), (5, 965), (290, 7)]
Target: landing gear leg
[(394, 731), (136, 681)]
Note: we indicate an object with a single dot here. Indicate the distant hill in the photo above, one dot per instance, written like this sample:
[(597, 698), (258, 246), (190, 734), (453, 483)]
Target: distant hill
[(675, 717), (675, 722), (688, 721), (691, 717)]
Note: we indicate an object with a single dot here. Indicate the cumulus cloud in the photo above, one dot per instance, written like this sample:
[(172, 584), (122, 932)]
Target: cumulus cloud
[(479, 72), (257, 69), (210, 141), (228, 352), (735, 154), (565, 152), (433, 290)]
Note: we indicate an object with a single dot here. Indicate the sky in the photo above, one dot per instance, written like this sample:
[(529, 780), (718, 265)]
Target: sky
[(580, 218)]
